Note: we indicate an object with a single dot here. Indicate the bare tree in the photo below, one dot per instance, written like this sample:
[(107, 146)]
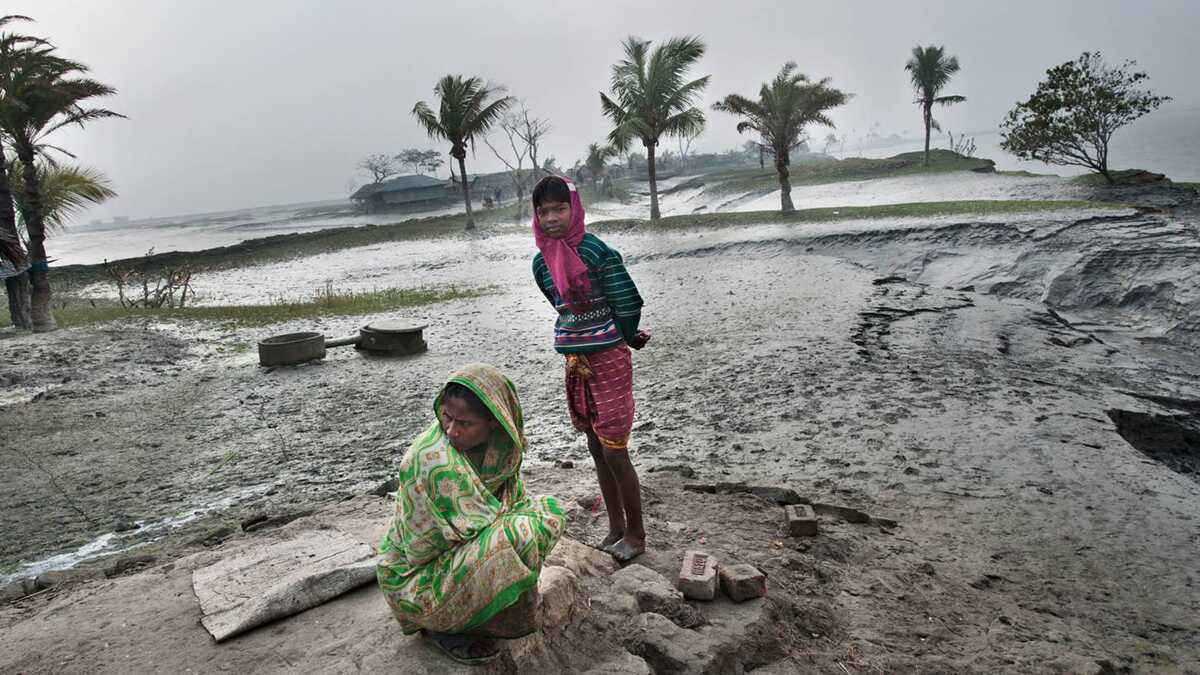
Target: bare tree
[(685, 145), (381, 167), (831, 140), (522, 132), (530, 130)]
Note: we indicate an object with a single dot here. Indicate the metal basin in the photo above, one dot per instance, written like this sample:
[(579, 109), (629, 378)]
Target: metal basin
[(392, 337), (292, 348)]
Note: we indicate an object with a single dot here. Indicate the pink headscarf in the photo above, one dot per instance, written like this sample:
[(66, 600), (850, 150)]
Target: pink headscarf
[(569, 273)]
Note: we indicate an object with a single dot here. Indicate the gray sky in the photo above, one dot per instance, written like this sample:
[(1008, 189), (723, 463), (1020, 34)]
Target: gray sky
[(237, 104)]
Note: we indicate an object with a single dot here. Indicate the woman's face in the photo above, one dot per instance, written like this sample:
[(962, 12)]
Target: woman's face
[(463, 426)]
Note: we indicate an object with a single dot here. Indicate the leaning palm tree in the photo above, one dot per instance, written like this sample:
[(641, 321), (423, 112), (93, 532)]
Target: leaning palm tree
[(466, 110), (784, 107), (930, 70), (65, 191), (42, 93), (650, 98)]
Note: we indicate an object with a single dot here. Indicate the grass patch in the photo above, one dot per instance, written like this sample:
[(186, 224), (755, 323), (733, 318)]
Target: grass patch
[(1025, 174), (74, 311), (913, 210), (590, 193), (1123, 177), (1189, 184), (841, 170)]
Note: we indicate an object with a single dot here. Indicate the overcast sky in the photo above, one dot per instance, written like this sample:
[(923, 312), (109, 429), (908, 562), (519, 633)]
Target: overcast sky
[(238, 104)]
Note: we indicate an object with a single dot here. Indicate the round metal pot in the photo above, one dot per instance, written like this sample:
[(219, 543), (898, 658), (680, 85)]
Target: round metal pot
[(292, 348)]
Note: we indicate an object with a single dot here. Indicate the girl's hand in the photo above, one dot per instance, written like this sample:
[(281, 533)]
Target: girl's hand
[(640, 340)]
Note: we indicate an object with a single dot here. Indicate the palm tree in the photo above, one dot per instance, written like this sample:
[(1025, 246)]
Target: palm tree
[(12, 47), (930, 70), (65, 191), (466, 111), (784, 106), (41, 93), (650, 97), (597, 158)]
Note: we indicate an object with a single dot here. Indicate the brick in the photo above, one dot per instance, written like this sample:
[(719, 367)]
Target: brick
[(801, 521), (698, 576), (743, 582), (843, 512)]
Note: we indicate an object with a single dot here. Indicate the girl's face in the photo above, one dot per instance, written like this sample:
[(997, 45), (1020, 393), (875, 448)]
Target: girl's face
[(463, 426), (555, 218)]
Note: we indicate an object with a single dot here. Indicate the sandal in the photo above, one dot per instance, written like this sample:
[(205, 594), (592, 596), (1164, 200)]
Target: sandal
[(465, 649)]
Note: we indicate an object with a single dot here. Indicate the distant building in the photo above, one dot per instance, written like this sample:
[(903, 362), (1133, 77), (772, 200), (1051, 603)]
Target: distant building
[(408, 192)]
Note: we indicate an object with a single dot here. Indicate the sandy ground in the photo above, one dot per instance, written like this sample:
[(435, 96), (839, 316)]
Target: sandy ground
[(1032, 526)]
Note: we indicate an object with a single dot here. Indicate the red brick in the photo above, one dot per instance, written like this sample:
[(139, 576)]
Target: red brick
[(801, 521), (698, 576), (743, 582)]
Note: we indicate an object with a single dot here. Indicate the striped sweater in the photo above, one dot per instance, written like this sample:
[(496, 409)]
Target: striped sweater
[(615, 307)]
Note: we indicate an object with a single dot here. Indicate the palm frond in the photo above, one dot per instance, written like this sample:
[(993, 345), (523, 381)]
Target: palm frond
[(784, 107), (428, 120), (64, 191), (649, 92)]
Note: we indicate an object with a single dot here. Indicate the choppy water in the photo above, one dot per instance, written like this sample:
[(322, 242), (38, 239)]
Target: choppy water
[(1166, 142)]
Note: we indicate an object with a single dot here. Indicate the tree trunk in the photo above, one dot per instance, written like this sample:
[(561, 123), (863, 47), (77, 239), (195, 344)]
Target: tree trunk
[(785, 186), (39, 271), (462, 173), (762, 157), (650, 171), (520, 202), (928, 123), (8, 216), (17, 287), (18, 301)]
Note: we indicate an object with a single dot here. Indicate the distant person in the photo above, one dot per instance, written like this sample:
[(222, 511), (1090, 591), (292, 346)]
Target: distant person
[(461, 560), (497, 195), (598, 313)]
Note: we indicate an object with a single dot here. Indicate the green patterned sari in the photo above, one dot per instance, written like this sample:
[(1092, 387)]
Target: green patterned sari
[(455, 555)]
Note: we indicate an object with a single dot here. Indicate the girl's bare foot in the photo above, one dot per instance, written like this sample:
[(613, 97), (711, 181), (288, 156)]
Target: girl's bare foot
[(607, 543), (627, 549)]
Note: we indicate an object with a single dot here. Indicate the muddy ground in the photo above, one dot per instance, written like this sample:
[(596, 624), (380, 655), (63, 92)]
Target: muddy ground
[(1039, 465)]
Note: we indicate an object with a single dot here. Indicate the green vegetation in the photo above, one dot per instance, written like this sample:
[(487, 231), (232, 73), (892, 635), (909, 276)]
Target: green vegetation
[(912, 210), (1072, 116), (784, 107), (40, 93), (651, 98), (1122, 177), (836, 171), (1025, 174), (75, 311), (591, 193), (930, 70), (467, 108)]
